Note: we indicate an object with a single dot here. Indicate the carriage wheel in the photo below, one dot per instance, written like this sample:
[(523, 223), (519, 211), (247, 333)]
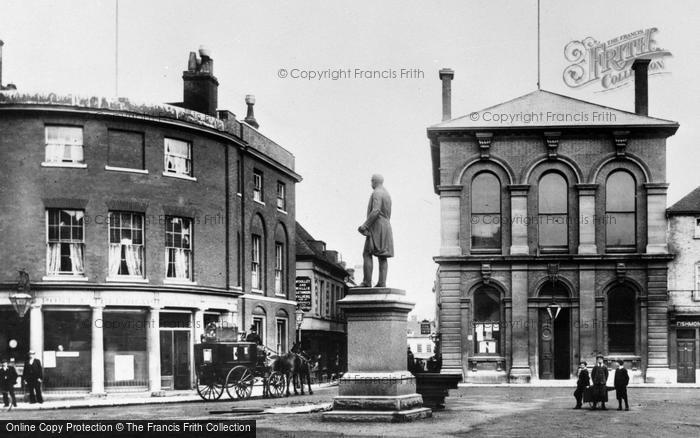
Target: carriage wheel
[(276, 384), (211, 391), (241, 380)]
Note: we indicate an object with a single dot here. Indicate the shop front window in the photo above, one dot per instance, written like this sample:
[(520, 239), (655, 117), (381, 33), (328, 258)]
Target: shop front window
[(67, 349), (126, 355)]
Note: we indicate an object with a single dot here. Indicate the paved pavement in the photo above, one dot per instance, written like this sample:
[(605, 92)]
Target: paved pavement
[(493, 411)]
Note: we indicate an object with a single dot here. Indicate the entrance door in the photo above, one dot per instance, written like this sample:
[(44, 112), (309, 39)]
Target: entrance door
[(175, 358), (181, 354), (686, 356), (555, 362)]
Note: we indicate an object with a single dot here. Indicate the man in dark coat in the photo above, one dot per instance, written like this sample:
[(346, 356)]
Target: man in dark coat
[(599, 375), (622, 378), (584, 381), (379, 240), (253, 336), (8, 379), (32, 376)]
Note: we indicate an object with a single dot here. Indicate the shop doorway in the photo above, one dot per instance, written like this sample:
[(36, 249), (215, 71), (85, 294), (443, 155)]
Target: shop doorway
[(686, 356), (14, 336), (555, 345), (175, 348), (175, 359)]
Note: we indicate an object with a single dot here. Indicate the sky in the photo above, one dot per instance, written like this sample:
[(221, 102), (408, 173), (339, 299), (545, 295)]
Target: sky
[(343, 131)]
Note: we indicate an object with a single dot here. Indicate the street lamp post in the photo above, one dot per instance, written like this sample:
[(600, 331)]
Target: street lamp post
[(22, 298), (299, 314)]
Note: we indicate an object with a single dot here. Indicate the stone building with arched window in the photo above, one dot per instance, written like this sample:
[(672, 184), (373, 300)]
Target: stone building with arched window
[(553, 237)]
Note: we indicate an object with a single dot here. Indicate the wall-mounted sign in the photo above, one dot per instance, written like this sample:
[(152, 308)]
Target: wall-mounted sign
[(687, 324), (425, 327), (303, 288)]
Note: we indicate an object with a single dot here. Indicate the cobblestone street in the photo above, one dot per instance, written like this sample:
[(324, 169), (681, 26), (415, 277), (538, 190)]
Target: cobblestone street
[(470, 412)]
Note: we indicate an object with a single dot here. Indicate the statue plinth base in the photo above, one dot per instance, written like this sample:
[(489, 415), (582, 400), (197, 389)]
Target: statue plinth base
[(377, 387)]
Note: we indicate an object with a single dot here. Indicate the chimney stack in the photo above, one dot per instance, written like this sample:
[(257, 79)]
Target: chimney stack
[(250, 115), (201, 87), (641, 86), (446, 76), (332, 256)]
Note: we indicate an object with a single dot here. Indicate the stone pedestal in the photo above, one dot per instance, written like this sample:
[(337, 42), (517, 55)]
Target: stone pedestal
[(377, 386)]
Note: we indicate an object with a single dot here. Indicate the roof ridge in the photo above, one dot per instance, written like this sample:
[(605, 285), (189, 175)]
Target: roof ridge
[(629, 118)]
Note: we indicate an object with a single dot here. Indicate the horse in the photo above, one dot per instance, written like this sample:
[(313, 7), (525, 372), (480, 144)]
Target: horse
[(302, 369), (283, 364)]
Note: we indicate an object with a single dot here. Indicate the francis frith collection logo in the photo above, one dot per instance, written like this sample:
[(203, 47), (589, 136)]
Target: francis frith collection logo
[(609, 63)]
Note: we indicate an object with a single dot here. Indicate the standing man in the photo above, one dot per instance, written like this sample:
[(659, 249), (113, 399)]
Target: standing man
[(377, 229), (8, 379), (599, 376), (584, 381), (253, 336), (32, 376), (622, 378)]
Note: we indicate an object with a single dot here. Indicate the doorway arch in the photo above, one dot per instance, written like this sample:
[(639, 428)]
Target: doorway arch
[(554, 315)]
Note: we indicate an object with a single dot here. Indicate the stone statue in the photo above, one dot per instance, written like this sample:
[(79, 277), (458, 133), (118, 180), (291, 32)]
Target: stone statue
[(379, 240)]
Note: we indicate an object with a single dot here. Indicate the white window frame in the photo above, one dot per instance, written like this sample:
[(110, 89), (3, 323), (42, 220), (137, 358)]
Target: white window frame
[(281, 196), (126, 277), (279, 269), (258, 186), (189, 251), (697, 228), (52, 160), (256, 268), (188, 174), (260, 327), (60, 275), (285, 334)]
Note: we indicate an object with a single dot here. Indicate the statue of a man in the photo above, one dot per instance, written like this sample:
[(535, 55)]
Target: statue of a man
[(379, 241)]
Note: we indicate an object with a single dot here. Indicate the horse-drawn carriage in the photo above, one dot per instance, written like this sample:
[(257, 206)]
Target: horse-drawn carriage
[(235, 367)]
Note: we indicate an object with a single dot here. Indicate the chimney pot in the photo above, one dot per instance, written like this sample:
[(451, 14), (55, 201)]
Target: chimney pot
[(250, 114), (641, 86), (201, 88), (446, 76), (204, 52)]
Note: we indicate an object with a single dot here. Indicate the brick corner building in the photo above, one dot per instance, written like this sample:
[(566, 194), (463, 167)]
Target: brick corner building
[(139, 224)]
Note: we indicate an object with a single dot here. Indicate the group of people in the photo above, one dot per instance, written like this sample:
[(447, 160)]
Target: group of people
[(599, 391), (32, 376)]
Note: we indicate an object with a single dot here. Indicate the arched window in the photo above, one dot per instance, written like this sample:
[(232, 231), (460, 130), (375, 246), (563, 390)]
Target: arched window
[(486, 211), (621, 320), (620, 206), (487, 321), (259, 318), (552, 207), (281, 335)]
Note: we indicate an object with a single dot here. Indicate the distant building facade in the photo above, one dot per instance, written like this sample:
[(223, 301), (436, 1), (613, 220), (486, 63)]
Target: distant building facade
[(684, 288), (552, 205), (420, 343), (138, 225), (321, 281)]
